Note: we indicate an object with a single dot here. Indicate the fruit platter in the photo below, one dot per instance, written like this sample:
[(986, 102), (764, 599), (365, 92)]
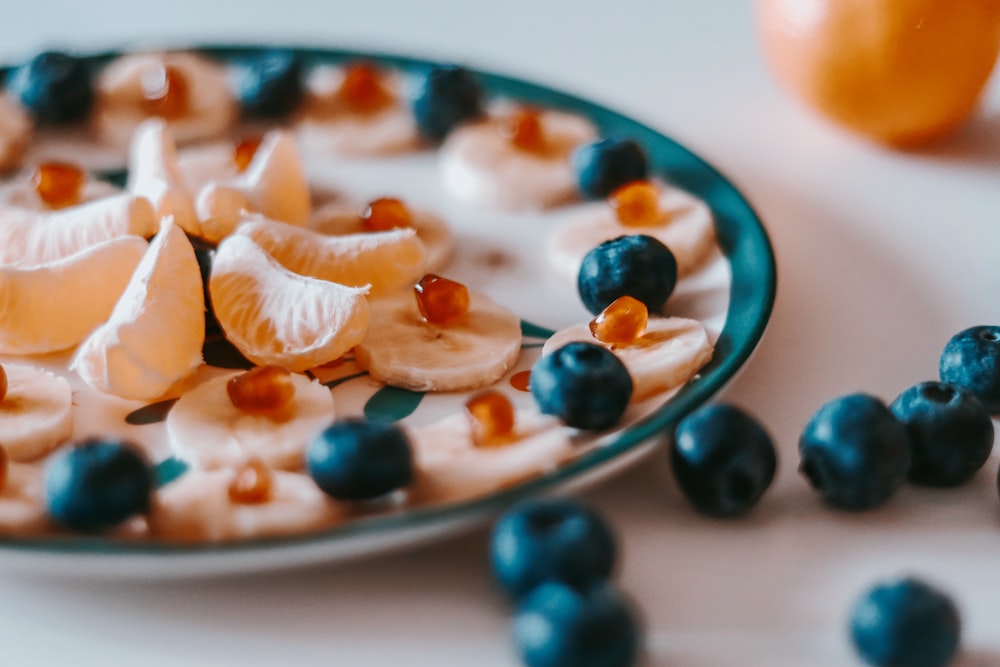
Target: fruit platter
[(269, 306)]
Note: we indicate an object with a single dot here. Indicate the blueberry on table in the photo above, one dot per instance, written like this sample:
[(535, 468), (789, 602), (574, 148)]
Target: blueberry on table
[(971, 359), (360, 459), (97, 484), (950, 432), (636, 265), (269, 84), (854, 452), (606, 165), (54, 87), (557, 625), (905, 623), (723, 460), (447, 96), (558, 539), (583, 384)]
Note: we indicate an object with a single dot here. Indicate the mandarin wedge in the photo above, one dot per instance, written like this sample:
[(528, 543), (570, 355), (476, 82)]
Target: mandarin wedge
[(153, 173), (156, 331), (274, 316)]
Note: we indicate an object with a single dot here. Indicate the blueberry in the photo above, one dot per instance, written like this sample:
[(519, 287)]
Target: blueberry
[(551, 539), (971, 359), (54, 87), (604, 166), (638, 266), (97, 484), (905, 623), (855, 452), (269, 84), (358, 459), (204, 252), (446, 96), (723, 460), (950, 433), (560, 626), (583, 384)]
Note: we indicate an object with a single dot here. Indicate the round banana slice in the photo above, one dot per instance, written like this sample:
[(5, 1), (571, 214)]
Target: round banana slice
[(36, 415), (22, 502), (15, 132), (327, 124), (670, 353), (207, 431), (404, 350), (481, 166), (448, 466), (192, 91), (686, 228), (197, 508)]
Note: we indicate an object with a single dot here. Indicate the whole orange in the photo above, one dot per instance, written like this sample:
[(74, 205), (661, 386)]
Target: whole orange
[(903, 72)]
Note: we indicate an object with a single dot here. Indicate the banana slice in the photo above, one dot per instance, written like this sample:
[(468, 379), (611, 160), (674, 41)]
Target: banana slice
[(15, 132), (403, 350), (669, 354), (206, 430), (153, 173), (197, 508), (328, 125), (196, 89), (481, 166), (338, 218), (686, 228), (448, 466), (36, 415), (22, 502)]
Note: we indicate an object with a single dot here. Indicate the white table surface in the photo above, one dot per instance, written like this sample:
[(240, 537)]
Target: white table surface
[(881, 255)]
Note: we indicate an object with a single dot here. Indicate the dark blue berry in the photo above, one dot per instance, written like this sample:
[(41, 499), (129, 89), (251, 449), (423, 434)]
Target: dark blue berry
[(551, 539), (97, 484), (54, 87), (269, 84), (905, 623), (447, 95), (971, 359), (855, 452), (204, 252), (583, 384), (950, 432), (723, 460), (638, 266), (560, 626), (358, 459), (604, 166)]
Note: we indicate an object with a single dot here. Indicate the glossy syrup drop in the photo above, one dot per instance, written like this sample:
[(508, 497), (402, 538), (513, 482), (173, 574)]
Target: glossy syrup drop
[(253, 483), (244, 152), (386, 213), (636, 204), (521, 380), (362, 90), (441, 301), (621, 323), (165, 91), (59, 184), (491, 417), (523, 129), (264, 390)]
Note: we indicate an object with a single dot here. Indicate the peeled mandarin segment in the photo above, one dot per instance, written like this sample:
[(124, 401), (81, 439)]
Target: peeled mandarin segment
[(636, 204), (623, 322), (165, 91), (244, 152), (59, 184), (264, 389), (440, 300), (523, 129), (491, 417), (386, 213), (253, 484), (3, 384), (362, 90)]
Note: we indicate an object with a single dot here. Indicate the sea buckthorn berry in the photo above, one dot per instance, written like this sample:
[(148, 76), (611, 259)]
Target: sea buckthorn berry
[(3, 383), (58, 184), (523, 129), (261, 390), (491, 416), (386, 213), (164, 91), (362, 90), (521, 380), (636, 204), (253, 483), (622, 322), (244, 152), (441, 300)]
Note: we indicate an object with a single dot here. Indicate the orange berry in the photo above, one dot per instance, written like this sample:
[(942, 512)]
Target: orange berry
[(521, 380), (523, 129), (263, 390), (59, 184), (491, 416), (244, 152), (636, 204), (253, 483), (386, 213), (165, 91), (362, 89), (621, 323), (440, 300)]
